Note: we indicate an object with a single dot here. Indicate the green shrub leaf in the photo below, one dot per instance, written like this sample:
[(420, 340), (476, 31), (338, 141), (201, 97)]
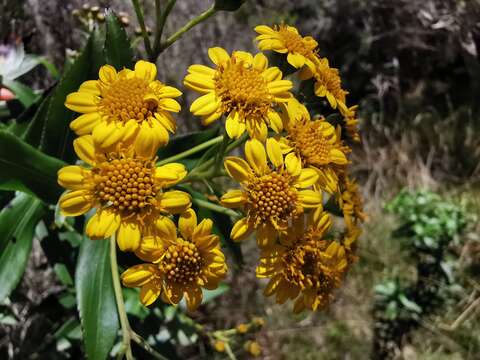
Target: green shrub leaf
[(24, 168), (17, 226), (117, 46), (95, 298)]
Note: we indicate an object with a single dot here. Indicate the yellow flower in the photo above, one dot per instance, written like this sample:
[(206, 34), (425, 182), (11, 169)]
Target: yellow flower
[(242, 328), (351, 202), (272, 191), (316, 144), (253, 348), (126, 189), (285, 39), (178, 264), (351, 123), (126, 106), (327, 83), (219, 346), (243, 87), (304, 266)]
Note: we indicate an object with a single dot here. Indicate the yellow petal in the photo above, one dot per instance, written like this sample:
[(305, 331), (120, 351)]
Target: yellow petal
[(310, 198), (203, 229), (149, 139), (167, 121), (90, 86), (151, 248), (264, 29), (234, 199), (187, 223), (193, 296), (233, 126), (170, 174), (85, 149), (145, 70), (82, 102), (293, 163), (107, 74), (84, 124), (205, 105), (296, 60), (107, 134), (166, 229), (338, 157), (244, 56), (199, 82), (207, 120), (218, 55), (149, 293), (307, 178), (75, 203), (237, 168), (260, 62), (275, 121), (256, 156), (175, 202), (169, 105), (279, 86), (103, 224), (73, 177), (138, 275), (272, 74), (274, 152), (241, 229), (128, 236), (168, 92), (202, 70)]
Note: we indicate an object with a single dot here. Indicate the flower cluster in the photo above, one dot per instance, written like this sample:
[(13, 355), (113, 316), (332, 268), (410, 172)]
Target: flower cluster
[(125, 119), (291, 177)]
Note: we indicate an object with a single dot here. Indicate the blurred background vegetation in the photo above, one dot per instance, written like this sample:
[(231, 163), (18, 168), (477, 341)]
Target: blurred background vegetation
[(413, 68)]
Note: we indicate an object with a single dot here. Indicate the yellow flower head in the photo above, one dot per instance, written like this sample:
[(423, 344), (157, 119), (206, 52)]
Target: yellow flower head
[(243, 87), (273, 191), (126, 106), (351, 202), (178, 264), (253, 348), (127, 190), (317, 144), (327, 83), (285, 39), (304, 266)]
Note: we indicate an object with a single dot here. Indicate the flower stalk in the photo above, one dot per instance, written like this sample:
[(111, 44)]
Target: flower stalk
[(141, 22), (125, 325)]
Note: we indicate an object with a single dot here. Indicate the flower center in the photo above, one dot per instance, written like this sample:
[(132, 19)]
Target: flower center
[(271, 197), (127, 185), (294, 42), (310, 142), (242, 89), (182, 262), (330, 78), (124, 100), (303, 267)]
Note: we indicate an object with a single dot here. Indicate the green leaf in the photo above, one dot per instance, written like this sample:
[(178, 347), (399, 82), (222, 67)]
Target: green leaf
[(34, 131), (58, 138), (95, 298), (209, 295), (23, 93), (24, 168), (17, 226), (409, 304), (63, 275), (117, 46)]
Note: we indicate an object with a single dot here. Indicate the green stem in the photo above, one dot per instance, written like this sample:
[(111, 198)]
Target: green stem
[(141, 22), (119, 298), (214, 207), (202, 17), (191, 151), (161, 19), (146, 346)]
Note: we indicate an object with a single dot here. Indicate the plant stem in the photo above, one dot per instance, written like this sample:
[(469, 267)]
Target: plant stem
[(161, 19), (202, 17), (119, 298), (141, 22), (191, 151), (146, 346), (214, 207)]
